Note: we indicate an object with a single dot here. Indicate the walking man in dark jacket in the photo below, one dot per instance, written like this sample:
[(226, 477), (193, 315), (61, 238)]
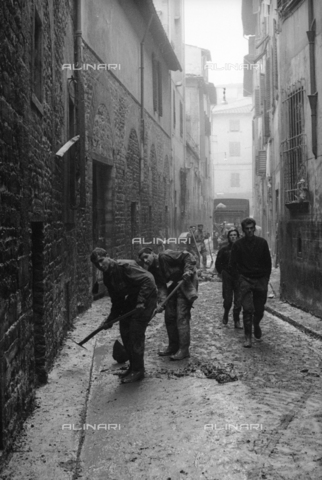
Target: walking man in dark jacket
[(174, 266), (229, 281), (130, 287), (251, 259)]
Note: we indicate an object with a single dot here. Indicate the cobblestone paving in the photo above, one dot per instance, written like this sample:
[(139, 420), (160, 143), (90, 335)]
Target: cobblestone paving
[(265, 425)]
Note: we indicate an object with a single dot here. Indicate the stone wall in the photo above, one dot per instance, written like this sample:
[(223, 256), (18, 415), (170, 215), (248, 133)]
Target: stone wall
[(140, 193), (45, 271)]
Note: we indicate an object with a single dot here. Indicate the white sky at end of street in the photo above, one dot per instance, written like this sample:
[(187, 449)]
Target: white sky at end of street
[(216, 25)]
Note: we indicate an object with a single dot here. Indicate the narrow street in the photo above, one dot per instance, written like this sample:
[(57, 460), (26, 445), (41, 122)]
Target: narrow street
[(263, 422)]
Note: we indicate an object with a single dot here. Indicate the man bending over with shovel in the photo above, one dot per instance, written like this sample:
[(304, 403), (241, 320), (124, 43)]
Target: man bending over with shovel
[(174, 266), (130, 287)]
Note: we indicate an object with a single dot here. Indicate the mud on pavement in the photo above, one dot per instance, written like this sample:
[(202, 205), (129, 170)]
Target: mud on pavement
[(225, 413)]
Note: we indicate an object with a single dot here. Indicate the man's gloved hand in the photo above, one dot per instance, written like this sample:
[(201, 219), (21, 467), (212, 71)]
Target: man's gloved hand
[(186, 276), (139, 307), (159, 308)]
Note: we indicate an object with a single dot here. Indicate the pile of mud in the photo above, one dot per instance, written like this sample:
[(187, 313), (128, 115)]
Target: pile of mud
[(222, 373)]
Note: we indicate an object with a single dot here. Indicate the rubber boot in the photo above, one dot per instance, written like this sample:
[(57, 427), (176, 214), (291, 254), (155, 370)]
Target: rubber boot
[(181, 354), (126, 373), (133, 377), (248, 330), (167, 352), (184, 336), (236, 319), (173, 346), (257, 329), (225, 317)]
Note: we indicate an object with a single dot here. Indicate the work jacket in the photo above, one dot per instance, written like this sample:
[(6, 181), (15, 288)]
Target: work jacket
[(127, 279), (223, 259), (169, 266)]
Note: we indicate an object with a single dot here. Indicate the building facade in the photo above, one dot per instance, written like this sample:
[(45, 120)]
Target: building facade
[(67, 73), (171, 14), (45, 203), (232, 149), (287, 148), (128, 125), (198, 174)]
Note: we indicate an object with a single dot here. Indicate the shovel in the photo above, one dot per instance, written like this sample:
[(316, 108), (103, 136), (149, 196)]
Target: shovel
[(122, 317), (102, 327), (168, 297)]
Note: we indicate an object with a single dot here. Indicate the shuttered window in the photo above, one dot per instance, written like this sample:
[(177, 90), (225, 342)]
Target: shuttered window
[(235, 180), (234, 125), (234, 149)]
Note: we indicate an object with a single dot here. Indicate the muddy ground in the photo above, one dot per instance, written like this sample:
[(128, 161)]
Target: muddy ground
[(258, 417)]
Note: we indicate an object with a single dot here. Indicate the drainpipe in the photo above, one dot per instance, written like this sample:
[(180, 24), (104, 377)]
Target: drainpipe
[(80, 103), (142, 133), (313, 98)]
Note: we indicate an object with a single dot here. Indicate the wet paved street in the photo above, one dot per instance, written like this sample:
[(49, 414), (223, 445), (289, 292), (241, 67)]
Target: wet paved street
[(178, 424)]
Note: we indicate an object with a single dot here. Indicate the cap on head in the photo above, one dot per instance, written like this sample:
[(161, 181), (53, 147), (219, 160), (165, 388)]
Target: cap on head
[(145, 250), (247, 221), (98, 253), (200, 225)]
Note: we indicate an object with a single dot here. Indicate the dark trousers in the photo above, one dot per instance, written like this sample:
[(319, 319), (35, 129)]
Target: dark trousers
[(204, 257), (230, 291), (253, 296), (177, 318), (132, 330)]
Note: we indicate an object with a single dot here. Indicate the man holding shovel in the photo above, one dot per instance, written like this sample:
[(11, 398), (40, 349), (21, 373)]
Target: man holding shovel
[(130, 287), (174, 266)]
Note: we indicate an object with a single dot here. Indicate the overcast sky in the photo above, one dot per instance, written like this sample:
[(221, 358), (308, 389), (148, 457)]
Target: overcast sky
[(216, 25)]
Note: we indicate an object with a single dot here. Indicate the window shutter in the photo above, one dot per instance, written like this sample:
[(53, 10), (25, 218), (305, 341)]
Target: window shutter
[(267, 103), (155, 83), (234, 125), (275, 75), (257, 103), (234, 149), (159, 89), (174, 110), (262, 89), (261, 162)]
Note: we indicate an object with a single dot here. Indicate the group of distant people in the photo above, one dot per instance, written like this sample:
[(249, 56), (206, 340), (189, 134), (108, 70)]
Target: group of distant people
[(245, 266), (196, 244), (151, 285)]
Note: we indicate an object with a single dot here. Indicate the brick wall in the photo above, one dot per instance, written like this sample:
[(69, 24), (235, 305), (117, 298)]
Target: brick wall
[(300, 243), (45, 271), (139, 193)]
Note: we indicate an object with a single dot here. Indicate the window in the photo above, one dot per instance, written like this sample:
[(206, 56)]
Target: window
[(293, 148), (157, 85), (181, 119), (159, 89), (70, 164), (257, 102), (174, 110), (234, 149), (235, 180), (37, 58), (234, 125), (260, 163), (274, 57)]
